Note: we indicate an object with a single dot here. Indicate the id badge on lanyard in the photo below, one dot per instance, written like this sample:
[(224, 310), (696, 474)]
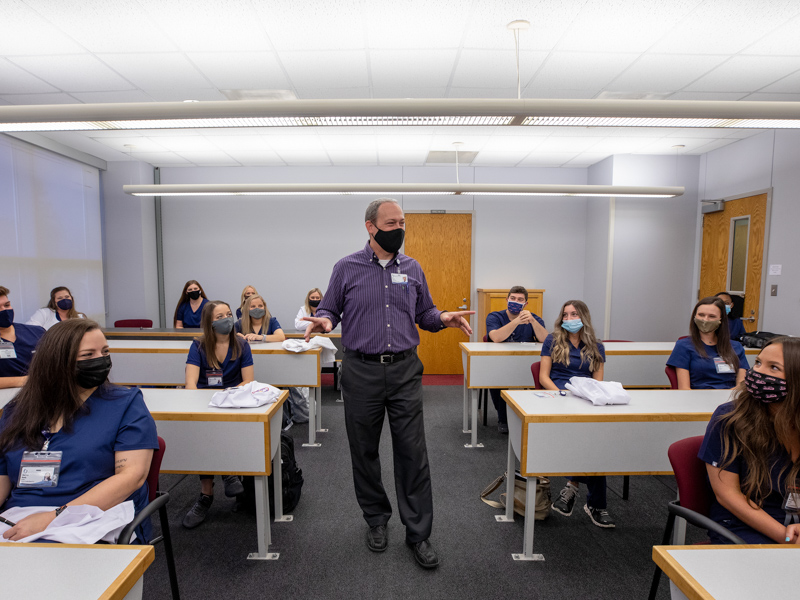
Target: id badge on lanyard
[(214, 377), (722, 366), (40, 469), (7, 350), (791, 504)]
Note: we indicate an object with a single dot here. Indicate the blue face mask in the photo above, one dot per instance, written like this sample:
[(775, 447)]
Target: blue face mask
[(727, 309), (572, 326), (6, 317), (515, 307)]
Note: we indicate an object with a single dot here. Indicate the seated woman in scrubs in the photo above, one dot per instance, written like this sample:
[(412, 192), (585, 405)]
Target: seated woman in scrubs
[(257, 324), (217, 359), (308, 309), (572, 350), (708, 359), (752, 450), (190, 306), (60, 308), (104, 432), (735, 326), (17, 345), (248, 291)]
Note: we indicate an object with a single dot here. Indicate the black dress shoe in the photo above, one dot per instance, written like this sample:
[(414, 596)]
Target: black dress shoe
[(377, 538), (425, 554)]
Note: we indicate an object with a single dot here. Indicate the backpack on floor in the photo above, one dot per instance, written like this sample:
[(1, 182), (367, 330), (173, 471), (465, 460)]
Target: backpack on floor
[(291, 481), (543, 498), (757, 339)]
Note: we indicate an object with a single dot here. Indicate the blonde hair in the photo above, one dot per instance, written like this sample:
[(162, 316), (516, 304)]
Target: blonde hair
[(559, 351), (247, 326), (244, 291), (308, 295)]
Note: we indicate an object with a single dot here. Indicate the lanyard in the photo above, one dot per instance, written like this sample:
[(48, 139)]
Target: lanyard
[(47, 435)]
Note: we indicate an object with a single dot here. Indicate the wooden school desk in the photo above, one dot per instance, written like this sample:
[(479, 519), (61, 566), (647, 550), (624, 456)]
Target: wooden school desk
[(633, 438), (73, 571), (508, 366), (157, 362), (730, 572)]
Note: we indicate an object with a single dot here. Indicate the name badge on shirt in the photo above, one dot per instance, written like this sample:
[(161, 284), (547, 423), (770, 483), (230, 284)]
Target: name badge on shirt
[(791, 503), (7, 350), (39, 469), (214, 377), (400, 278), (722, 366)]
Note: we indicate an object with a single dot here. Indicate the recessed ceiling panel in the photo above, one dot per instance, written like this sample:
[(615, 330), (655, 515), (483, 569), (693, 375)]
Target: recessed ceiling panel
[(241, 70), (664, 72), (73, 72), (155, 71), (411, 68), (334, 69), (746, 73)]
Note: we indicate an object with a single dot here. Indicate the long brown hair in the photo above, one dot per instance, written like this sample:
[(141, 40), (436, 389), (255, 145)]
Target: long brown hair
[(752, 432), (185, 298), (247, 325), (208, 341), (71, 313), (559, 351), (724, 346), (51, 391)]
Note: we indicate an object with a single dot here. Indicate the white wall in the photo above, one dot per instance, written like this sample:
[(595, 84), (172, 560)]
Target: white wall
[(51, 232)]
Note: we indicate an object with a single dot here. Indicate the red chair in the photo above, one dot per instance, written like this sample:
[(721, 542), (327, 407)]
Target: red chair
[(672, 375), (535, 372), (628, 341), (133, 323), (157, 502), (695, 496)]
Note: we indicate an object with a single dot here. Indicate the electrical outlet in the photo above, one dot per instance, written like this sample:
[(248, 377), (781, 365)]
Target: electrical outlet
[(773, 290)]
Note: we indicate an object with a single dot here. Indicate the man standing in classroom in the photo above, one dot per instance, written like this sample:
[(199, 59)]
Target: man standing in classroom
[(380, 295)]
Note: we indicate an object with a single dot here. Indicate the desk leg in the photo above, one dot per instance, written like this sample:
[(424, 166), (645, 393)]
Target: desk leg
[(312, 418), (466, 406), (530, 511), (318, 400), (474, 403), (262, 522), (508, 517), (679, 529), (277, 489)]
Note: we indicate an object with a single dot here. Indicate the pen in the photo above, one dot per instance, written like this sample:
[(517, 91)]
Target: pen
[(7, 522)]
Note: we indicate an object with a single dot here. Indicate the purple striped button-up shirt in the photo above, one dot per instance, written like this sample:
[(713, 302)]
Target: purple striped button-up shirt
[(378, 315)]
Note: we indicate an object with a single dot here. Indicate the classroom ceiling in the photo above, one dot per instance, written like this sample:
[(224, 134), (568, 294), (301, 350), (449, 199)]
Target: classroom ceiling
[(89, 51)]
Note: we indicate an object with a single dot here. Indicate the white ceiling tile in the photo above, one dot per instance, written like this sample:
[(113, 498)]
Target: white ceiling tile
[(333, 69), (241, 70), (707, 96), (571, 144), (160, 158), (402, 157), (240, 143), (506, 143), (104, 97), (411, 68), (416, 24), (303, 157), (773, 97), (157, 70), (39, 98), (408, 92), (787, 85), (498, 159), (187, 143), (185, 93), (548, 159), (471, 143), (664, 72), (580, 70), (217, 158), (26, 32), (495, 92), (73, 72), (746, 73), (620, 145), (322, 26), (340, 93), (666, 145), (133, 144), (353, 157), (264, 157), (781, 41), (299, 143), (401, 143), (348, 143), (492, 68), (587, 159), (535, 91), (713, 145)]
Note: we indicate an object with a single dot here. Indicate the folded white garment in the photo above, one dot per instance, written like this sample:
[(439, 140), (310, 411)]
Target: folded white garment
[(250, 395), (82, 524), (328, 349), (599, 393)]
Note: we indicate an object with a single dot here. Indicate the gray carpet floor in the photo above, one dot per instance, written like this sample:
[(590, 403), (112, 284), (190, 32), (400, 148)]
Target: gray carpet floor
[(323, 553)]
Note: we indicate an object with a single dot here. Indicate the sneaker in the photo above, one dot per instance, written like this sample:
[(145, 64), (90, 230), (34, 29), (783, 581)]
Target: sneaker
[(502, 428), (600, 517), (233, 485), (288, 425), (566, 500), (197, 514)]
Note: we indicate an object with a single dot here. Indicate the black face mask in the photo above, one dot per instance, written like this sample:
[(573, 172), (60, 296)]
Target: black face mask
[(93, 371), (193, 295), (7, 317), (314, 303), (391, 240)]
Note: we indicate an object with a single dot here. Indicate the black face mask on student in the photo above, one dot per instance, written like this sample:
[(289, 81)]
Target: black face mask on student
[(194, 295), (314, 303), (93, 371), (391, 240)]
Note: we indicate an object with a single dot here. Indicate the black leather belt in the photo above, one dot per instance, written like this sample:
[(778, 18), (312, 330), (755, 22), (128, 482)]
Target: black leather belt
[(385, 359)]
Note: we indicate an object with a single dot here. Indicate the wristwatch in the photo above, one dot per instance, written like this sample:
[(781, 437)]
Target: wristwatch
[(60, 509)]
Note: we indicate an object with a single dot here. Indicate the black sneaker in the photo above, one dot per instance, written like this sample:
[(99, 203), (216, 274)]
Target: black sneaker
[(566, 500), (197, 514), (502, 428), (233, 485), (599, 517)]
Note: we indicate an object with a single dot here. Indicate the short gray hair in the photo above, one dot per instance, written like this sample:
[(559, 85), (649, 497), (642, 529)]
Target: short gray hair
[(372, 209)]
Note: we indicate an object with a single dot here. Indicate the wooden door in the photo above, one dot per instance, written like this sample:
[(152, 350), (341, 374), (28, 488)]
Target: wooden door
[(732, 257), (442, 243)]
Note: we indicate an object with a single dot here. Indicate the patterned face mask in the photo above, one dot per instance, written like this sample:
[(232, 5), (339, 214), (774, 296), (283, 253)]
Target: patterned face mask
[(765, 387)]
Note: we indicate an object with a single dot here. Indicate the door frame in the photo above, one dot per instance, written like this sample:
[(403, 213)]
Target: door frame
[(764, 265), (473, 295)]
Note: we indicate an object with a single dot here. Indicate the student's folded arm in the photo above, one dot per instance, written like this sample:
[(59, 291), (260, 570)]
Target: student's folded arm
[(12, 382), (178, 324), (248, 375), (545, 364), (539, 330), (740, 376), (276, 336), (501, 333), (598, 372), (684, 380)]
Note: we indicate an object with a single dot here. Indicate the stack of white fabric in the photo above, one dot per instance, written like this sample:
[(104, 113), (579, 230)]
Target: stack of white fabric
[(328, 349), (82, 524), (598, 393), (250, 395)]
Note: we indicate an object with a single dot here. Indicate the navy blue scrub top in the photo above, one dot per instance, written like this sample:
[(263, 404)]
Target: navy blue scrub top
[(25, 345), (191, 319), (736, 328), (522, 333), (231, 369), (703, 371), (559, 372), (273, 326)]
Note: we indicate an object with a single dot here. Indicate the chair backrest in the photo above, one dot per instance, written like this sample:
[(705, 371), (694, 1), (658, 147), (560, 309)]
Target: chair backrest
[(683, 337), (690, 474), (672, 375), (486, 337), (155, 470), (133, 323), (627, 341), (535, 372)]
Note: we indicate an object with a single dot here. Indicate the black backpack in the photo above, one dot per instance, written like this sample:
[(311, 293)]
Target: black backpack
[(757, 339), (291, 480)]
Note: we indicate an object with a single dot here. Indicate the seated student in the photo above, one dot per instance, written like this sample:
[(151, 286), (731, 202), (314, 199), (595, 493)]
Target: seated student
[(17, 345), (248, 291), (189, 309), (60, 308), (104, 432), (752, 449), (217, 359), (309, 309), (572, 350), (735, 326), (708, 359), (515, 324), (254, 317)]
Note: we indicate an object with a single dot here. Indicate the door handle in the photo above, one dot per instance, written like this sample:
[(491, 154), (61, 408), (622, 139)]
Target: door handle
[(463, 306)]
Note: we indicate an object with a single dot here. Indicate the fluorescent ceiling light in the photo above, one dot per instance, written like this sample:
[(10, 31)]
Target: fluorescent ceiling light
[(402, 112), (378, 189)]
